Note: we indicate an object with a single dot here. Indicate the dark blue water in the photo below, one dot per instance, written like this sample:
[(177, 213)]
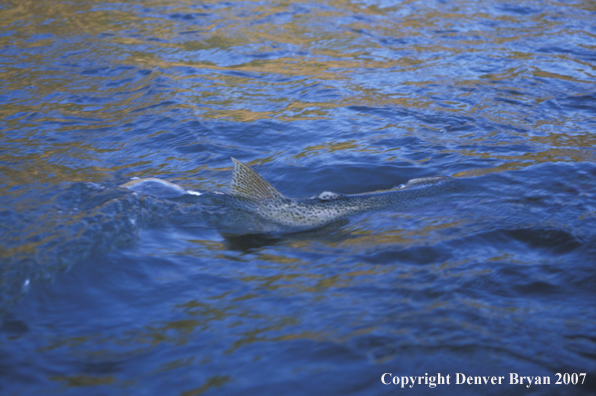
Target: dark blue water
[(103, 291)]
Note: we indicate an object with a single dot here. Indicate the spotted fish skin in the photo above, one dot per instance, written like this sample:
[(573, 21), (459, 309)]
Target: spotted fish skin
[(252, 193)]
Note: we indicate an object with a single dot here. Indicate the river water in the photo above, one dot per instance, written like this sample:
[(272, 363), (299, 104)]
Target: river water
[(103, 291)]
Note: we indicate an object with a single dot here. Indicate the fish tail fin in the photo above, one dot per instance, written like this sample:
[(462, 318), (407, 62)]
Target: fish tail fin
[(249, 184)]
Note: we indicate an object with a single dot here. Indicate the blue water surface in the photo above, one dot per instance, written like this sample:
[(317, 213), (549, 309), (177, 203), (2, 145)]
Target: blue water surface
[(104, 291)]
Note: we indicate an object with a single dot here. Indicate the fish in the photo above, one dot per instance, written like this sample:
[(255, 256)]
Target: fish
[(250, 192), (259, 207)]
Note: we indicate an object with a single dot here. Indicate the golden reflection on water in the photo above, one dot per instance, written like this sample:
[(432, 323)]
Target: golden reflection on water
[(212, 382), (336, 54)]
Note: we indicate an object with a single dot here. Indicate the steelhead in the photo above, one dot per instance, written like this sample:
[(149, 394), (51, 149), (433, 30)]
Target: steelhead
[(261, 208)]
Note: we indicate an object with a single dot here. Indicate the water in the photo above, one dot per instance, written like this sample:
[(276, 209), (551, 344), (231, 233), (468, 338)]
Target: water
[(107, 292)]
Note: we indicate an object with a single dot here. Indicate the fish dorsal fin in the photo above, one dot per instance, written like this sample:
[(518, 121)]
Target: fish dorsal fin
[(248, 184)]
